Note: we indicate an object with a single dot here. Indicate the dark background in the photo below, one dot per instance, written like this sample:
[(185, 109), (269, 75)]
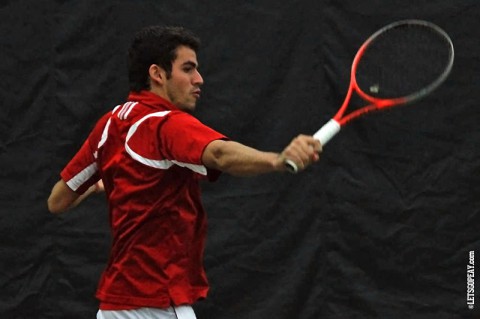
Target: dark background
[(381, 227)]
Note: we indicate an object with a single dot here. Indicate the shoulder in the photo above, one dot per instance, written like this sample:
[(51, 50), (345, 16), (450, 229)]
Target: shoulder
[(182, 118), (101, 123)]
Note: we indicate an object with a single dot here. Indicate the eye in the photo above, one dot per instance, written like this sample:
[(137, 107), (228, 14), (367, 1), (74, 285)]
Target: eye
[(189, 67)]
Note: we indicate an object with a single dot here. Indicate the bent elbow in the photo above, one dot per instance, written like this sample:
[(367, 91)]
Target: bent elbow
[(52, 208), (55, 206)]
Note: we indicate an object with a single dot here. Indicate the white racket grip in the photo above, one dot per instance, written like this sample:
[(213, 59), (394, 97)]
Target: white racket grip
[(326, 132)]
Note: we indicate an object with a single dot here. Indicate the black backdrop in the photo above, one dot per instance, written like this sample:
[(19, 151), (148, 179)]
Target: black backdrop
[(382, 227)]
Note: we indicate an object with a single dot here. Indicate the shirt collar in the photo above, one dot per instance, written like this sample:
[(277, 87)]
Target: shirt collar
[(152, 99)]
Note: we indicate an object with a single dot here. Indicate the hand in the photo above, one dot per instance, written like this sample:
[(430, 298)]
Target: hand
[(99, 186), (300, 153)]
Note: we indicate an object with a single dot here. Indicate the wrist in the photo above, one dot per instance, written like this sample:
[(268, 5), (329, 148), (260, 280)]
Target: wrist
[(279, 163)]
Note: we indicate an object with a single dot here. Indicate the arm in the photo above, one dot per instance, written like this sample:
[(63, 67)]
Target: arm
[(63, 198), (240, 160)]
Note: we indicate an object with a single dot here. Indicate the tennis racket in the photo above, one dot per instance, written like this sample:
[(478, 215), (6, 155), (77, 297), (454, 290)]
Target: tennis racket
[(398, 64)]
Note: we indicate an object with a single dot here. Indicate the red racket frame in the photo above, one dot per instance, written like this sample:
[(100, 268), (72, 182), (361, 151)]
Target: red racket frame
[(332, 127)]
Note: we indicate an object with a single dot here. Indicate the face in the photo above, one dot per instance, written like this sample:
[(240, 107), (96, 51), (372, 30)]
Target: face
[(183, 86)]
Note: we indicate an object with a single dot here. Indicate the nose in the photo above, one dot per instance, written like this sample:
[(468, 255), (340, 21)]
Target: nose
[(197, 79)]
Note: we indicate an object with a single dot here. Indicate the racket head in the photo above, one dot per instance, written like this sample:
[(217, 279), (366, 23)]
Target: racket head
[(402, 62)]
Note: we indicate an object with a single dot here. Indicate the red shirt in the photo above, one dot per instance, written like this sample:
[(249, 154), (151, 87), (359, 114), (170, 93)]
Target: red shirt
[(148, 154)]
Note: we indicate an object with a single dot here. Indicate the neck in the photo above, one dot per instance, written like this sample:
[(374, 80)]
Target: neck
[(160, 92)]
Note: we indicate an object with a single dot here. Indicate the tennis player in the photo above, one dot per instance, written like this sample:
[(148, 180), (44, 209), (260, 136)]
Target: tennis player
[(149, 155)]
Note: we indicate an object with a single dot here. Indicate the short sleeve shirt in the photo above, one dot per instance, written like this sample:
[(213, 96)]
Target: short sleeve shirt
[(148, 154)]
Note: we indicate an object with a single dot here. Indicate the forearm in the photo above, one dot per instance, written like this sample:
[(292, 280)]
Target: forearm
[(240, 160), (91, 190), (62, 198)]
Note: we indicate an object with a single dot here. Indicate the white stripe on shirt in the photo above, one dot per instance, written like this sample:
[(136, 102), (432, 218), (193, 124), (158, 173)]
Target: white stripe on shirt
[(76, 181), (160, 164)]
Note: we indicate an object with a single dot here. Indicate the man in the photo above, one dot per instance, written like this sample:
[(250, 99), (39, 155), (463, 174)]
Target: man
[(149, 155)]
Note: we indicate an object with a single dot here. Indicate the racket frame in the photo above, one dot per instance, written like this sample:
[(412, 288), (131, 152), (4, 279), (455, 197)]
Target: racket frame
[(333, 126), (381, 103)]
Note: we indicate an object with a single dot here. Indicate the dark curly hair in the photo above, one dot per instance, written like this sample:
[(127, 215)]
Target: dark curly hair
[(156, 45)]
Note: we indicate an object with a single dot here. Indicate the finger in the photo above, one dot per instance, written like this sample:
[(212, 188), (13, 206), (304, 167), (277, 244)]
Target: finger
[(317, 146)]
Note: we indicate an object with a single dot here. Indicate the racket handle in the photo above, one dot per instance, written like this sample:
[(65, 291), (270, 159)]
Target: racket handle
[(326, 132), (291, 166)]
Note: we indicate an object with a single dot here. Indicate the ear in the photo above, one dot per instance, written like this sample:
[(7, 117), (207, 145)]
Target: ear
[(157, 74)]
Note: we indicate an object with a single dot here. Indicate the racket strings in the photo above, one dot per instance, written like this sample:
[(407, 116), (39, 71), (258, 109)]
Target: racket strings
[(403, 61)]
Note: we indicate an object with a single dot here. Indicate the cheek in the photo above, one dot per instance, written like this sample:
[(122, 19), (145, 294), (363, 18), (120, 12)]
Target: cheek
[(177, 90), (173, 87), (180, 85)]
